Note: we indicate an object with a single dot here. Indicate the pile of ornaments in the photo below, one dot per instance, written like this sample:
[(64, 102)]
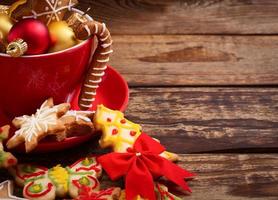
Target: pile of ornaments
[(36, 27)]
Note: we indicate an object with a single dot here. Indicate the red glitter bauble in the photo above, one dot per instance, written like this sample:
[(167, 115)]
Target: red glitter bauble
[(34, 33)]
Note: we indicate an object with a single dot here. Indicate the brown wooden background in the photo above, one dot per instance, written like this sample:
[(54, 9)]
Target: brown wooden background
[(203, 76)]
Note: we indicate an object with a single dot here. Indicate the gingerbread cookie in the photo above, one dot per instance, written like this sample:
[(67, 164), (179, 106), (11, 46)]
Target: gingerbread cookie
[(45, 10), (87, 193), (161, 192), (78, 122), (118, 132), (41, 183), (6, 159), (37, 126), (6, 191), (83, 30)]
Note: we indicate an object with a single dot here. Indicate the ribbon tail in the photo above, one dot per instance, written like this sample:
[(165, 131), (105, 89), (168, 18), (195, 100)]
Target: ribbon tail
[(176, 174), (139, 182)]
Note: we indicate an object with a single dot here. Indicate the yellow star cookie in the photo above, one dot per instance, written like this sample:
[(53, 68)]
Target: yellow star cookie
[(118, 132), (37, 126)]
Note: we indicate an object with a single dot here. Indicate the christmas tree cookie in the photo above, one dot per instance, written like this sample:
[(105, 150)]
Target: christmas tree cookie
[(118, 132)]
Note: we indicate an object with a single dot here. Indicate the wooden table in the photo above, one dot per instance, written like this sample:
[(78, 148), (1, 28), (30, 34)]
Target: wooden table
[(203, 79)]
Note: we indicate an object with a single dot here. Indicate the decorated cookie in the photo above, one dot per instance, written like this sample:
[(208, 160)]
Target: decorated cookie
[(161, 192), (6, 159), (44, 10), (78, 122), (37, 126), (84, 29), (87, 193), (41, 183), (6, 191), (118, 132)]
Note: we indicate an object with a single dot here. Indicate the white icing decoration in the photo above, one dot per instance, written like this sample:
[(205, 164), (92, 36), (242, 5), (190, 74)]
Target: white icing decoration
[(78, 115), (85, 105), (40, 121), (107, 52), (54, 9), (98, 74), (91, 86), (104, 39), (89, 100), (87, 29), (105, 45), (91, 93), (104, 61), (100, 68), (96, 28), (95, 81)]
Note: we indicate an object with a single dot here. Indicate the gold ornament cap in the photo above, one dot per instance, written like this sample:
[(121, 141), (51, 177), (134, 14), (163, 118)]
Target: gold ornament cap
[(17, 48)]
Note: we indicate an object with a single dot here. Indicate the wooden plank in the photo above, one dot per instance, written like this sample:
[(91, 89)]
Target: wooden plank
[(229, 176), (186, 16), (208, 119), (197, 60), (233, 176)]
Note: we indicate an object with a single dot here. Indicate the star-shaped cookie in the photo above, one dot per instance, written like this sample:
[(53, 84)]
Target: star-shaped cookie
[(6, 159), (118, 132), (37, 126)]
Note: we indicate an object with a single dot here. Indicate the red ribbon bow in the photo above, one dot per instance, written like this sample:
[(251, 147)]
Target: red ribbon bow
[(140, 167)]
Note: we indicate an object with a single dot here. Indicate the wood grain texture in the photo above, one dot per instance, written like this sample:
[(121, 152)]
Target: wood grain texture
[(229, 176), (207, 119), (186, 16), (196, 60)]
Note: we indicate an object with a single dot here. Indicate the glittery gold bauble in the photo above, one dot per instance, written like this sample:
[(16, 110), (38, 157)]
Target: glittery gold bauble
[(4, 9), (62, 36), (5, 25)]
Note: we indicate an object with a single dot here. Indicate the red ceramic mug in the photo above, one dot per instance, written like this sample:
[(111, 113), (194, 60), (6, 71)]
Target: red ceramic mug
[(27, 81)]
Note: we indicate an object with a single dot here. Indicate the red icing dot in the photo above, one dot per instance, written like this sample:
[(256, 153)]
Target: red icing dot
[(123, 121), (109, 119), (132, 133), (1, 130), (11, 161), (114, 132), (129, 150)]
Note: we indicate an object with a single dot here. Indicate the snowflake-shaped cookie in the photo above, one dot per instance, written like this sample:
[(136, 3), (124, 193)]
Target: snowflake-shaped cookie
[(37, 126), (44, 10)]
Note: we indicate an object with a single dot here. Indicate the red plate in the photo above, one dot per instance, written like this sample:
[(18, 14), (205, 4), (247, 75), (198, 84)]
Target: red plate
[(113, 93)]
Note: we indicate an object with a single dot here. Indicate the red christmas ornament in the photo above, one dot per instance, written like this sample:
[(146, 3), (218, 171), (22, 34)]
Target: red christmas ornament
[(31, 31)]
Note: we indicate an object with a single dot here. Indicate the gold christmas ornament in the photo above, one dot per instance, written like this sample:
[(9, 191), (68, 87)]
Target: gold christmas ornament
[(4, 9), (5, 25), (62, 36), (17, 48)]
